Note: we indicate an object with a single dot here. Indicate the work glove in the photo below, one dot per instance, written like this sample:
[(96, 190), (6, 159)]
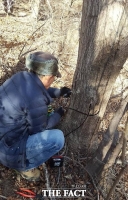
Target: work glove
[(65, 92), (60, 111)]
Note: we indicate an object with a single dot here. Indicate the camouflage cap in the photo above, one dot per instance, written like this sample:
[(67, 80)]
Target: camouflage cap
[(43, 63)]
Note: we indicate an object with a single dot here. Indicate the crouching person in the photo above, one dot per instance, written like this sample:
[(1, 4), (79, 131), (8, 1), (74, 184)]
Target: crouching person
[(27, 134)]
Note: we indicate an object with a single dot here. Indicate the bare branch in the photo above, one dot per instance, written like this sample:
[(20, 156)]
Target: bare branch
[(103, 153), (114, 154), (125, 134)]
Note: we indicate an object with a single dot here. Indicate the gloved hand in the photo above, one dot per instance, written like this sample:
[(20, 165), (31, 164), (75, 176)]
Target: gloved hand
[(60, 111), (65, 92)]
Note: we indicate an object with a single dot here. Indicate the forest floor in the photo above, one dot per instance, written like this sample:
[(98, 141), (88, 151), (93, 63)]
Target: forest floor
[(71, 176)]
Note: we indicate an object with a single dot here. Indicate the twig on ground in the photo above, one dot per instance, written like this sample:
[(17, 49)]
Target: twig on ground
[(58, 177), (47, 179), (72, 155), (3, 197)]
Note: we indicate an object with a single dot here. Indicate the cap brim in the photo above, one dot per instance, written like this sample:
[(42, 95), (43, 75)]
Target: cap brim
[(58, 74)]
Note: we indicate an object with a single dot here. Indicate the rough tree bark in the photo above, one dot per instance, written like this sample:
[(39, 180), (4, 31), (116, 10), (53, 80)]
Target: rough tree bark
[(103, 49)]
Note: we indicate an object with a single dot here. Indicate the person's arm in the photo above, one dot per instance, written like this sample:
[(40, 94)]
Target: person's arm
[(55, 92)]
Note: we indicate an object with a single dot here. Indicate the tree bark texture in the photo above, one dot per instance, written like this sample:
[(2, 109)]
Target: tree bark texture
[(103, 49)]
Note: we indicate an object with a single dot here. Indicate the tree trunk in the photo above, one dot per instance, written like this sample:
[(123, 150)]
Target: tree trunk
[(103, 49)]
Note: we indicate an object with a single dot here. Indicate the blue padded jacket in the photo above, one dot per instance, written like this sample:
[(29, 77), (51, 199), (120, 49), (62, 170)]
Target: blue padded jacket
[(23, 111)]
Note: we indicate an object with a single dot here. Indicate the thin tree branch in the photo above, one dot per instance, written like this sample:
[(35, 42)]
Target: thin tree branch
[(29, 39), (47, 179), (103, 153), (27, 52), (125, 134), (3, 197), (114, 154)]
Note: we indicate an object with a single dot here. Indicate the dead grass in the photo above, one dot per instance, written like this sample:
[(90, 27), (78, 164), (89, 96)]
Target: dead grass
[(56, 31)]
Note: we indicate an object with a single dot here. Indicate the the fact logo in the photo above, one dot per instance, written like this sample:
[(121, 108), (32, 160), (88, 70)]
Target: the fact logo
[(64, 193)]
